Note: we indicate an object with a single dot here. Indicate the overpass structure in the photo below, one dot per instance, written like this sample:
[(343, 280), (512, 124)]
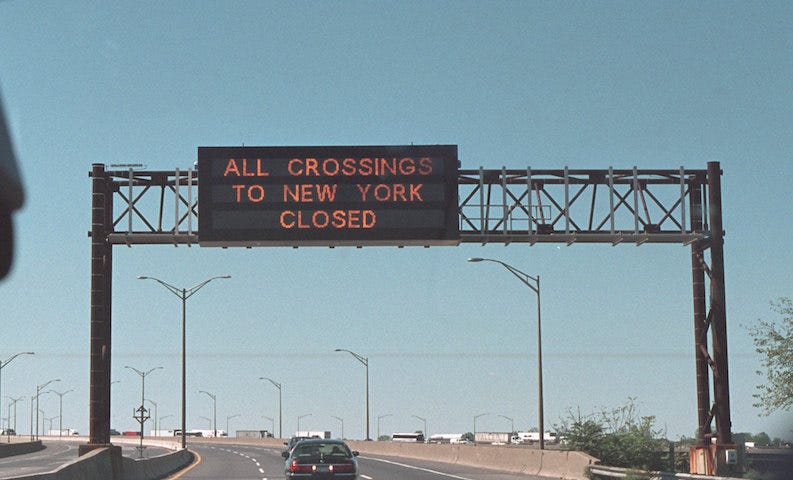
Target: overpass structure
[(131, 206)]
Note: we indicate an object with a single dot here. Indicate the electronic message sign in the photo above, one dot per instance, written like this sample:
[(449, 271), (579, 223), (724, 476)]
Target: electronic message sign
[(332, 195)]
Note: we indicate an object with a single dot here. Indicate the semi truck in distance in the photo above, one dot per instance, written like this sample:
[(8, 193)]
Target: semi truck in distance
[(453, 438), (534, 437), (324, 434), (495, 438), (62, 433)]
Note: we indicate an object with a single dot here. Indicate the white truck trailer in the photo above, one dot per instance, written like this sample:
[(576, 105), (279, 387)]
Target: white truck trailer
[(495, 438), (325, 434)]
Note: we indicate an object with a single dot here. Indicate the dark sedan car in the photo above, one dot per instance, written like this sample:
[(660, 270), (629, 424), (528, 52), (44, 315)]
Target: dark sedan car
[(321, 459), (292, 442)]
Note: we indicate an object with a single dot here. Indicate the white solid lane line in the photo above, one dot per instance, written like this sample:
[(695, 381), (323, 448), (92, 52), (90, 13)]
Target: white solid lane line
[(447, 475)]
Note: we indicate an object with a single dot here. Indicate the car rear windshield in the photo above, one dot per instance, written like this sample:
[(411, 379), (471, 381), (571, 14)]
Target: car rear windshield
[(322, 450)]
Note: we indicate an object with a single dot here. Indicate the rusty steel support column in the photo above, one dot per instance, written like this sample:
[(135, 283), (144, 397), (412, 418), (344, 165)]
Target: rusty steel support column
[(101, 288), (700, 320), (718, 315)]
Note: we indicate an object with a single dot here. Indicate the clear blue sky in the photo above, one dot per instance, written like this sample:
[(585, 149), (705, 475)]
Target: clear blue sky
[(546, 84)]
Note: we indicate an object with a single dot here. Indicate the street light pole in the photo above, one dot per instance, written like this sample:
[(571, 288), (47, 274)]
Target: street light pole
[(12, 402), (2, 365), (229, 417), (163, 418), (38, 393), (209, 421), (527, 279), (272, 423), (426, 436), (280, 408), (214, 411), (365, 362), (60, 409), (511, 422), (378, 423), (156, 428), (298, 420), (183, 294), (142, 381), (48, 419), (475, 417), (142, 398), (342, 425)]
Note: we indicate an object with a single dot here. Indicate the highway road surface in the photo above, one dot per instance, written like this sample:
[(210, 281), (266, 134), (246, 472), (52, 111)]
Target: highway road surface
[(249, 462)]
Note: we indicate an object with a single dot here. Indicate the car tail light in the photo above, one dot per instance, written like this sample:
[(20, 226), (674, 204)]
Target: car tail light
[(343, 468), (295, 467)]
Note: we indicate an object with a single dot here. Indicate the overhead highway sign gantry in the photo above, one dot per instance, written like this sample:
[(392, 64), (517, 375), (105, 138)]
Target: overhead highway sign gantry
[(273, 196)]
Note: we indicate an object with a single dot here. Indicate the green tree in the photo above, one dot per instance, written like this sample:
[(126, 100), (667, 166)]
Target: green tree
[(774, 341), (619, 437), (761, 438)]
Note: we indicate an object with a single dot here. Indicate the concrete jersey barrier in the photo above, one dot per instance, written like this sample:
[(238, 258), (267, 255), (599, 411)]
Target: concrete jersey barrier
[(108, 464), (19, 448), (567, 465)]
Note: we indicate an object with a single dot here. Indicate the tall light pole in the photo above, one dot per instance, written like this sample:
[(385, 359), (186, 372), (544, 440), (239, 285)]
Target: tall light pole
[(511, 422), (229, 417), (535, 287), (156, 428), (142, 380), (425, 425), (184, 294), (38, 393), (475, 417), (214, 411), (142, 397), (280, 408), (164, 417), (365, 362), (2, 365), (298, 420), (49, 419), (378, 423), (209, 421), (272, 422), (60, 409), (342, 425), (12, 402)]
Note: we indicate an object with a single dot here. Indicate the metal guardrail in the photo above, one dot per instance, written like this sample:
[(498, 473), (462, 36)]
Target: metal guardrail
[(607, 473)]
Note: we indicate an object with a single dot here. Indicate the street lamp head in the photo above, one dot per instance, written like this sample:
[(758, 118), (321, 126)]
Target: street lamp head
[(213, 397), (143, 277), (39, 387), (60, 393), (476, 259), (3, 364)]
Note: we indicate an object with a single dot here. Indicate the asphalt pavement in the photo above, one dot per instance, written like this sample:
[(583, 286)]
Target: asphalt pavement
[(249, 462)]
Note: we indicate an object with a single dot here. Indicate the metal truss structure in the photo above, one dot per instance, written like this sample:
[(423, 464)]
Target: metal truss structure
[(632, 206)]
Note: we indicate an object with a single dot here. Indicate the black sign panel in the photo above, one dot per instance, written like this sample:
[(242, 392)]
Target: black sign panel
[(357, 195)]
